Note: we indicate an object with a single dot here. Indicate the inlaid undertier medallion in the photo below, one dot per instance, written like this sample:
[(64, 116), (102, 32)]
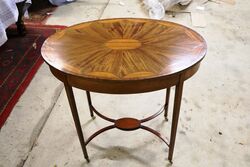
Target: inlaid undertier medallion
[(127, 124)]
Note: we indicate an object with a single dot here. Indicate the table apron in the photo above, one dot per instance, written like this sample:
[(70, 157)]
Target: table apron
[(126, 86)]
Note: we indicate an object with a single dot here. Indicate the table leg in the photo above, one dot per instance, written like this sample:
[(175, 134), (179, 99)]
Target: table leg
[(73, 108), (166, 104), (90, 104), (175, 117)]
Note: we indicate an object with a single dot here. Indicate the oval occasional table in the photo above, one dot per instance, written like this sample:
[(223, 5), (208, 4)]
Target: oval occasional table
[(125, 56)]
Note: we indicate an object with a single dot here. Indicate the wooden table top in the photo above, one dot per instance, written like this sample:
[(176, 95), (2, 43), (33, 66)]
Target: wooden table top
[(124, 49)]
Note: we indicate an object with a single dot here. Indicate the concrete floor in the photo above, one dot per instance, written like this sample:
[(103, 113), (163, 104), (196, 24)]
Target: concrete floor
[(214, 121)]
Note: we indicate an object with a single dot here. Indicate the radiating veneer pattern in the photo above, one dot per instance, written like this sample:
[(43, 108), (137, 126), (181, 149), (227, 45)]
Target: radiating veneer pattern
[(124, 49)]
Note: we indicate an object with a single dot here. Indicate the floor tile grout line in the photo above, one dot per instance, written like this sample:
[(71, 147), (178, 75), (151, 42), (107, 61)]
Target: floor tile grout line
[(104, 10), (58, 92)]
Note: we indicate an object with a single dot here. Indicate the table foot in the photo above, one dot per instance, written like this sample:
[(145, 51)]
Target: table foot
[(166, 118)]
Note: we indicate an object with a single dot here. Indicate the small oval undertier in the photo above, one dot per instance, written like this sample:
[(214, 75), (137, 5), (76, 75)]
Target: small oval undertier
[(127, 124)]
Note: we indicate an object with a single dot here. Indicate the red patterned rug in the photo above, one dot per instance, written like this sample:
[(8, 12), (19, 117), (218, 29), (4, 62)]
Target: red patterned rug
[(20, 58)]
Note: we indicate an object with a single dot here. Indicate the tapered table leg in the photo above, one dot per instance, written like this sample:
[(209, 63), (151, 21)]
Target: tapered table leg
[(166, 104), (90, 104), (175, 117), (73, 108)]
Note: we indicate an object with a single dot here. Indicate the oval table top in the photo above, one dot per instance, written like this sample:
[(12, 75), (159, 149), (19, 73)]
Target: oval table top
[(127, 49), (124, 49)]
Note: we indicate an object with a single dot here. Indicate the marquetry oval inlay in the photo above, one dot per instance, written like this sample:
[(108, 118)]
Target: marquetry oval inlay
[(127, 124), (124, 49), (119, 44)]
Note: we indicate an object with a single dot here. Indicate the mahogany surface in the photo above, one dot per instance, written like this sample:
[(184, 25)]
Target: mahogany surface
[(95, 54), (128, 124)]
